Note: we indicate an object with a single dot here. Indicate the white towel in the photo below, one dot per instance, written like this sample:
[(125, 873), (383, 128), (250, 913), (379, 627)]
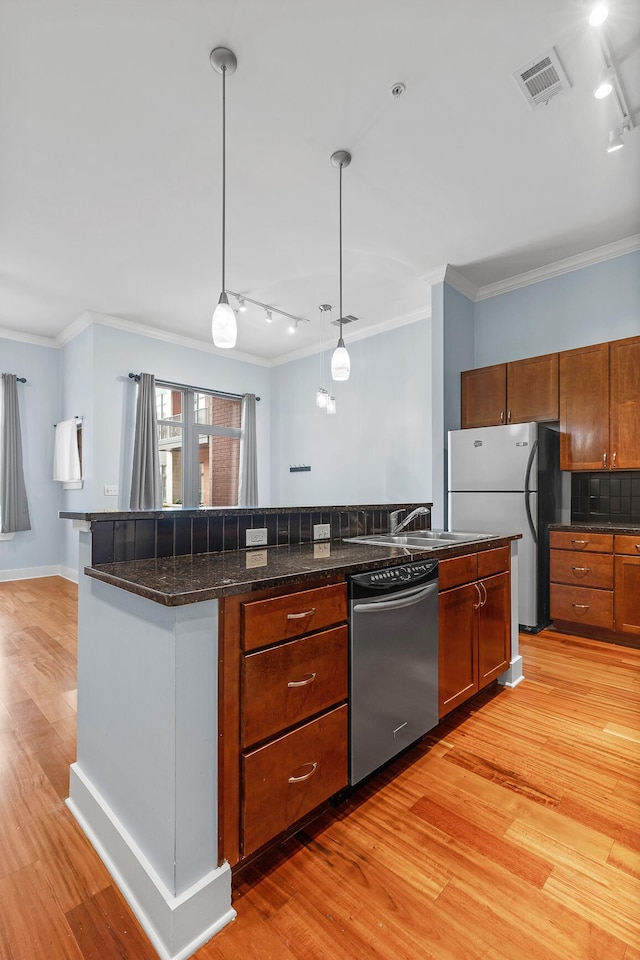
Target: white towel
[(66, 461)]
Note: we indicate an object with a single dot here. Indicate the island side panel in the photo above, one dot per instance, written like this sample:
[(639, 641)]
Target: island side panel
[(147, 724)]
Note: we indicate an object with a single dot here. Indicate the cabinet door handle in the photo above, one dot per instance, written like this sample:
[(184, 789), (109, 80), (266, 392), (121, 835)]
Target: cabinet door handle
[(479, 603), (580, 606), (299, 616), (604, 459), (486, 595), (508, 416), (308, 678), (502, 416), (613, 460), (305, 776)]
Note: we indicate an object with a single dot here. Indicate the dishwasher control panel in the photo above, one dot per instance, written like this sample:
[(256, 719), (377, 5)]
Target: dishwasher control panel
[(393, 578)]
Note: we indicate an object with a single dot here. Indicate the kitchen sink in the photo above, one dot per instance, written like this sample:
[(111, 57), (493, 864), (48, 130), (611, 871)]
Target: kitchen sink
[(422, 539)]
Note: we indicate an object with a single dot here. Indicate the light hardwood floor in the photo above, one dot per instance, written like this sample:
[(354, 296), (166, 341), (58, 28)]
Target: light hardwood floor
[(513, 831)]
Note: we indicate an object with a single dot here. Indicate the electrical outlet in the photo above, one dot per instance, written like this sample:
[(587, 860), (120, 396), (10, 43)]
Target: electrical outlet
[(256, 558), (321, 550), (257, 537), (322, 531), (111, 489)]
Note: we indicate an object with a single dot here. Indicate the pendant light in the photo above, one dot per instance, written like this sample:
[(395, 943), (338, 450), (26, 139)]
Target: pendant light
[(224, 328), (340, 363)]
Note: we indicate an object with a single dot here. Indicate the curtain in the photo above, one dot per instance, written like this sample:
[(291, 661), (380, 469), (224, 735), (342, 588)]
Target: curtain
[(248, 480), (146, 487), (14, 509)]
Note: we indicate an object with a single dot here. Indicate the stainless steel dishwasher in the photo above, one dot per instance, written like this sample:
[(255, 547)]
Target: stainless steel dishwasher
[(393, 662)]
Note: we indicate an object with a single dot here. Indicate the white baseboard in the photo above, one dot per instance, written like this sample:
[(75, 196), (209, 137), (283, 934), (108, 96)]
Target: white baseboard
[(176, 925), (514, 675), (34, 573)]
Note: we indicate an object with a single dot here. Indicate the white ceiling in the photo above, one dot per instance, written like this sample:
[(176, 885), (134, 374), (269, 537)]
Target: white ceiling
[(110, 163)]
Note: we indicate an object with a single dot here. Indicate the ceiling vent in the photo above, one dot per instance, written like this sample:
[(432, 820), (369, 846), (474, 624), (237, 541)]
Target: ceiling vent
[(345, 320), (542, 79)]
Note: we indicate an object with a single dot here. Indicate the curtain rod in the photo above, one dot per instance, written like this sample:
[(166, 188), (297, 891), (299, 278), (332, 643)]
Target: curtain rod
[(188, 386), (21, 379)]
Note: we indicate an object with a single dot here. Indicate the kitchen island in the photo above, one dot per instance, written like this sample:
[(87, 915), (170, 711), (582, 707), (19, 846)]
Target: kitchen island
[(150, 669)]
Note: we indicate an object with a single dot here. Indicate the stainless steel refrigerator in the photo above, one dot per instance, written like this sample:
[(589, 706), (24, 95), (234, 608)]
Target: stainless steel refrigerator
[(507, 479)]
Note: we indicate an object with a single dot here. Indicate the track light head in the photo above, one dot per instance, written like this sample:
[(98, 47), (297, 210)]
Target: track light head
[(598, 14), (605, 85)]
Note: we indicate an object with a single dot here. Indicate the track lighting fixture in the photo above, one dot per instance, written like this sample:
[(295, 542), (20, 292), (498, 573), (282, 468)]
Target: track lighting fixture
[(269, 310), (268, 316), (224, 328), (340, 362), (242, 307), (605, 85)]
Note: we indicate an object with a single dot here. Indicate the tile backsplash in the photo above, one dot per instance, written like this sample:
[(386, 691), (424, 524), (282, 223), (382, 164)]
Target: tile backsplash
[(601, 497), (144, 538)]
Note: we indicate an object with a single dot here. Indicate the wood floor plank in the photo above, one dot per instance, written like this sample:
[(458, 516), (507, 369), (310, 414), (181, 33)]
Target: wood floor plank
[(105, 929), (32, 923)]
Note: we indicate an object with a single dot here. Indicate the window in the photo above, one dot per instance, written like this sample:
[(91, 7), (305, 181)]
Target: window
[(199, 445)]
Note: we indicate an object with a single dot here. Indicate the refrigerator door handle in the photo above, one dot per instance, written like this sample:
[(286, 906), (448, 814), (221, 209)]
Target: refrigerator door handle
[(527, 492)]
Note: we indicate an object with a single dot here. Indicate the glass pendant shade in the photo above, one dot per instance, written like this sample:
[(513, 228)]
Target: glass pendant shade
[(331, 405), (224, 328), (322, 398), (340, 362)]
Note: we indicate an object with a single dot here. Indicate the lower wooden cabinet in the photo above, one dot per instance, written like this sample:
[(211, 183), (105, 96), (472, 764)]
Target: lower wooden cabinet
[(595, 583), (475, 624), (290, 776), (283, 688)]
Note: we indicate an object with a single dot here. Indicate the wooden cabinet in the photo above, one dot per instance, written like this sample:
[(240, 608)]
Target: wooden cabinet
[(283, 695), (475, 624), (600, 406), (515, 392), (624, 403), (627, 584), (595, 584)]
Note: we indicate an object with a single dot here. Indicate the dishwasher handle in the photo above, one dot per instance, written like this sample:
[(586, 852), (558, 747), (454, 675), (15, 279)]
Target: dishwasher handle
[(405, 599)]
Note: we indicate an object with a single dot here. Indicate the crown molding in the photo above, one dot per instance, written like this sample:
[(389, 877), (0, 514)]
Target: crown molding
[(360, 334), (598, 255), (460, 283), (87, 319), (6, 334)]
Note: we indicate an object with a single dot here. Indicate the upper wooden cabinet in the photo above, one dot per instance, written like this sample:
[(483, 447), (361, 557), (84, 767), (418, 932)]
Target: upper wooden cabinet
[(600, 406), (624, 403), (515, 392)]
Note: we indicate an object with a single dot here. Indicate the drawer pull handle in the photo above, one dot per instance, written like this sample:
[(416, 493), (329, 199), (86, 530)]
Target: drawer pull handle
[(581, 569), (300, 616), (580, 541), (305, 776), (477, 605), (580, 606), (308, 678), (638, 546)]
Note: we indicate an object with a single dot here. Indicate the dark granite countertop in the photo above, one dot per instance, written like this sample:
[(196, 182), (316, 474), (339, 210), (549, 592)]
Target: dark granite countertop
[(174, 581), (621, 528)]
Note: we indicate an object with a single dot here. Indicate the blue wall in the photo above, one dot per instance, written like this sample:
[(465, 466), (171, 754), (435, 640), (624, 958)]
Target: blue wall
[(386, 443), (597, 303), (377, 448)]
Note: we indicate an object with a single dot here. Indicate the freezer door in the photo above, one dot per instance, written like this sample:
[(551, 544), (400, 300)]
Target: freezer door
[(492, 458), (504, 513)]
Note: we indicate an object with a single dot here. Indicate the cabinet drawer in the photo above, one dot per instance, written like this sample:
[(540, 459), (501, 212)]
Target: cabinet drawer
[(458, 570), (629, 544), (579, 540), (292, 615), (582, 605), (287, 778), (571, 566), (493, 561), (284, 685)]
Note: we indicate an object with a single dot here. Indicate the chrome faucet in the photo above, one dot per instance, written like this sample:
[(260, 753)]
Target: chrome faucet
[(395, 527)]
